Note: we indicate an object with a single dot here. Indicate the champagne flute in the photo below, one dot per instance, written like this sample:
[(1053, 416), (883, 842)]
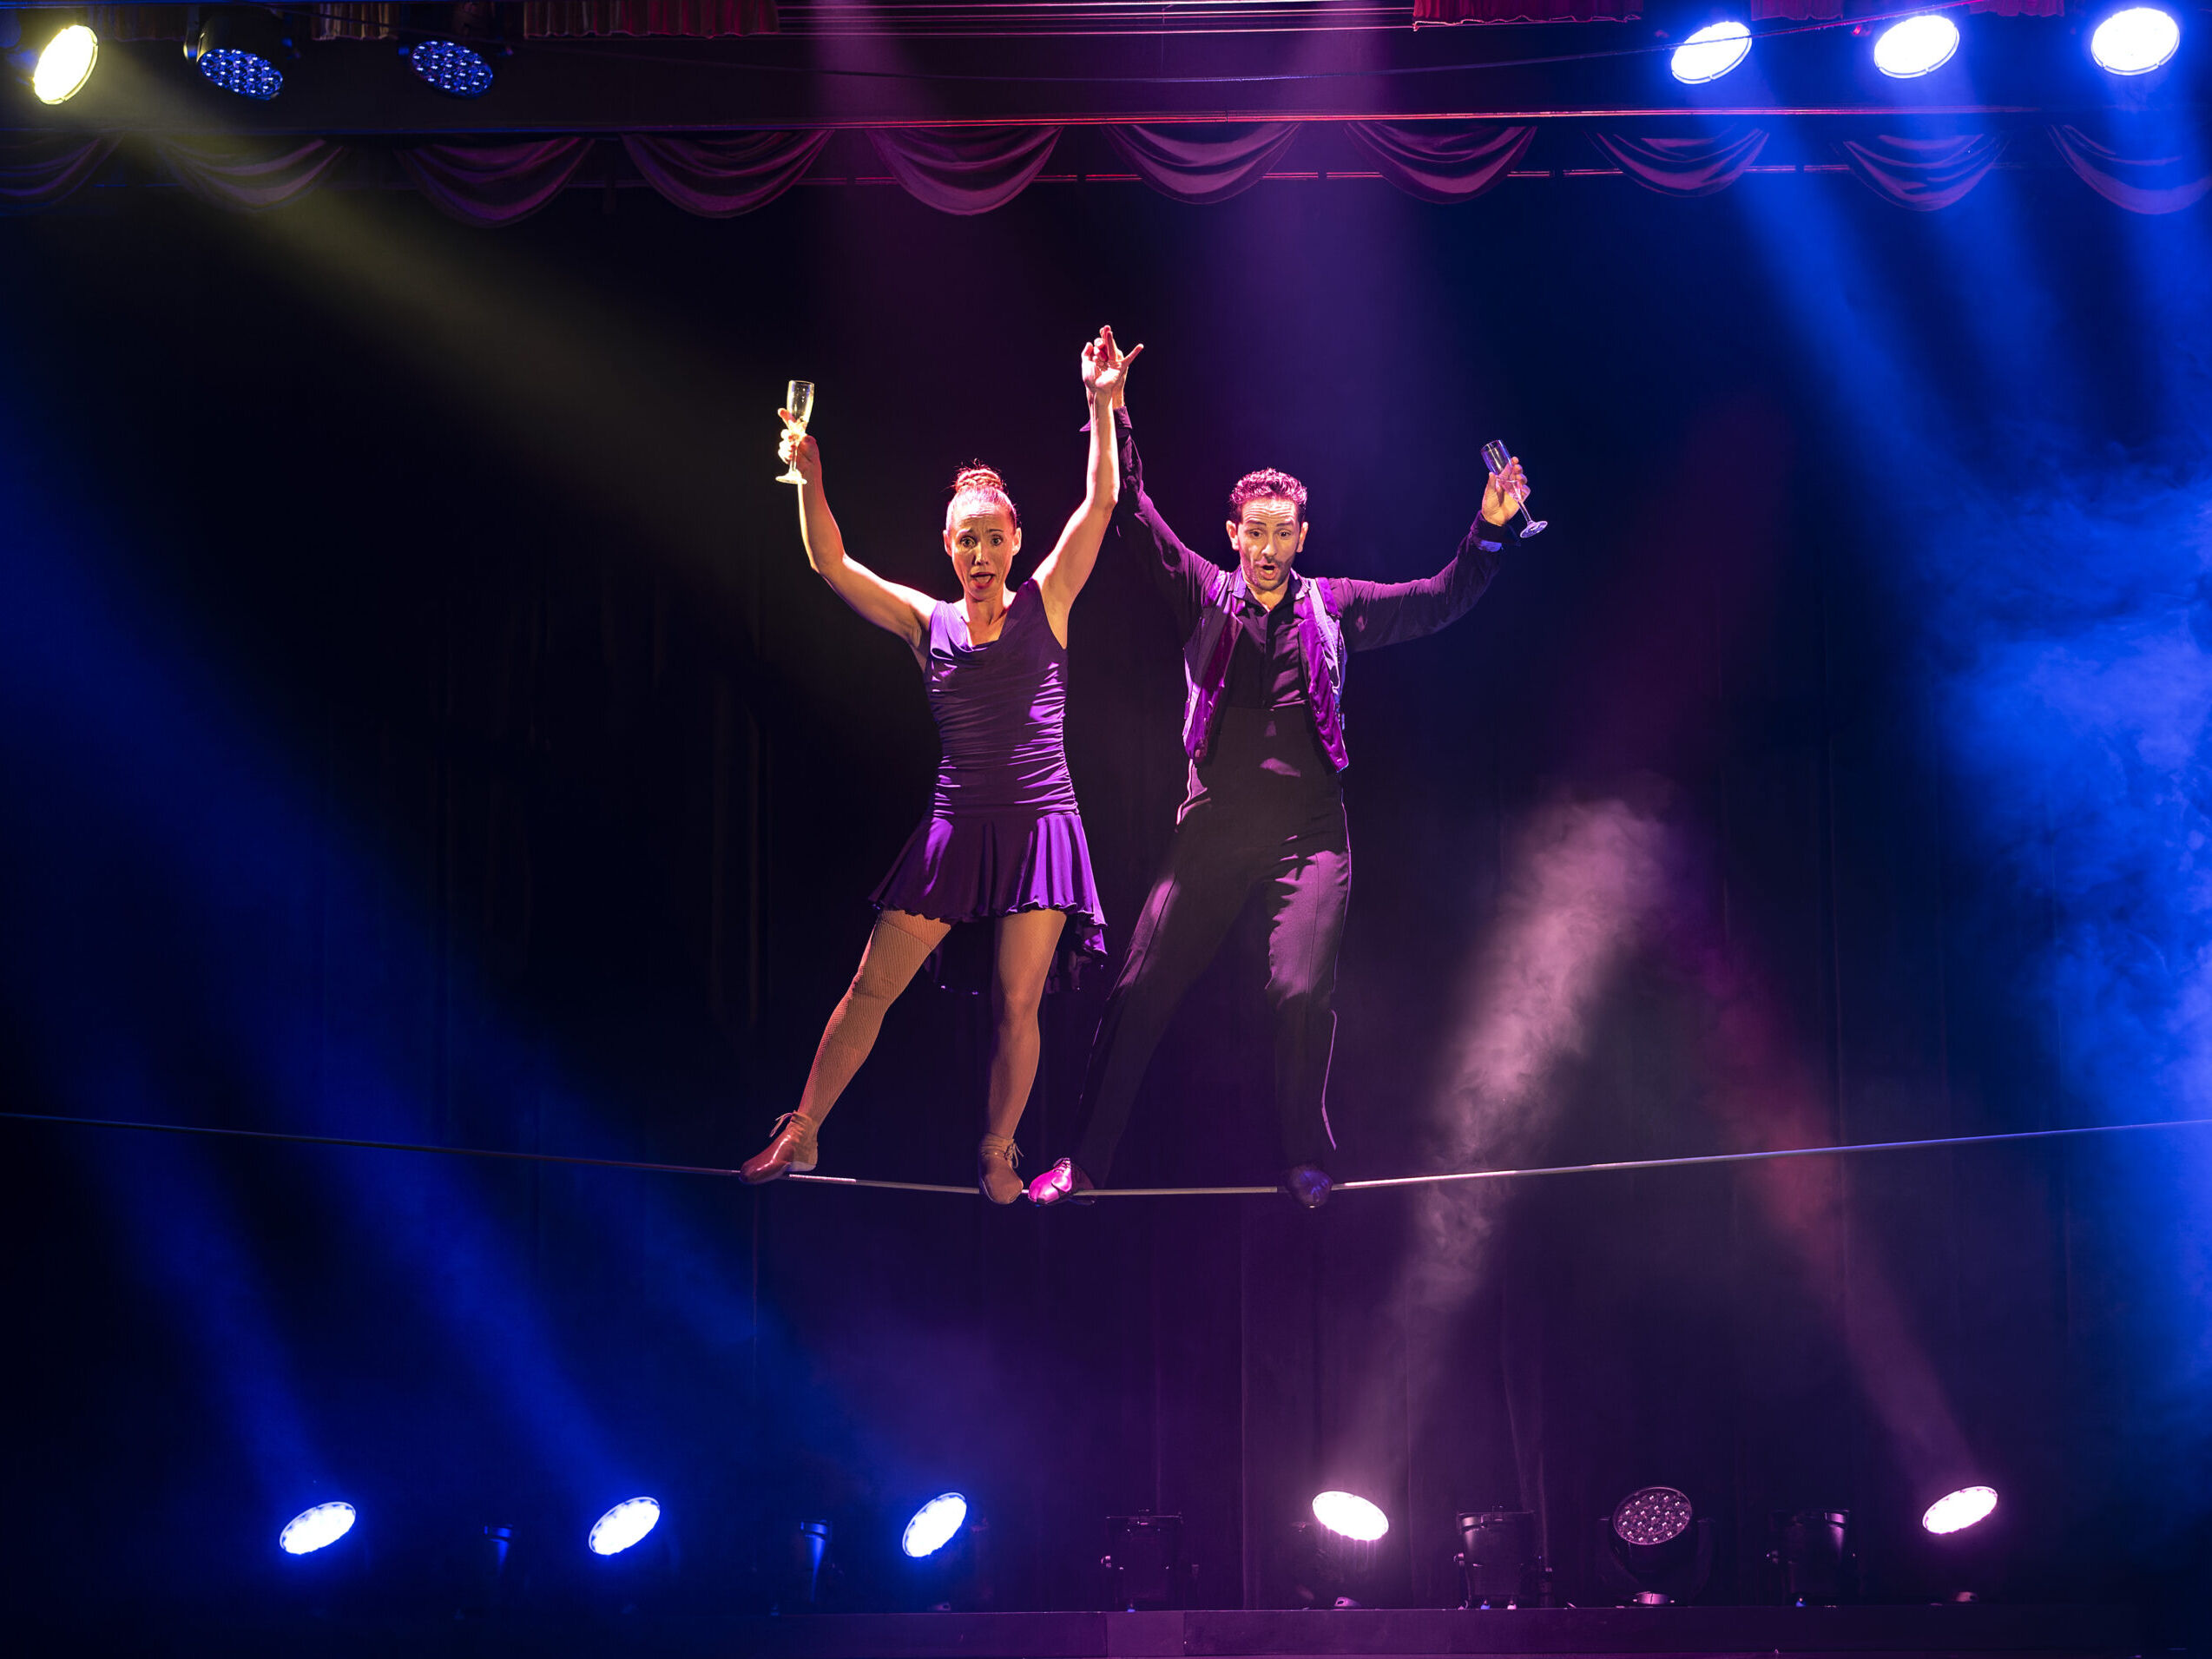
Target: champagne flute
[(799, 404), (1495, 457)]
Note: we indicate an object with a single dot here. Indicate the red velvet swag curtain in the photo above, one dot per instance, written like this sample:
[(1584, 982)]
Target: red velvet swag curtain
[(1203, 161), (1525, 12), (1923, 174), (965, 170), (972, 170), (1440, 163), (2162, 175), (39, 171), (1697, 165)]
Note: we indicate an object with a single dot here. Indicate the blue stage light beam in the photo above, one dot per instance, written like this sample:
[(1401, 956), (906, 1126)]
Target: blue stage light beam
[(625, 1524), (2136, 41), (316, 1528), (1711, 52), (935, 1525), (1917, 46)]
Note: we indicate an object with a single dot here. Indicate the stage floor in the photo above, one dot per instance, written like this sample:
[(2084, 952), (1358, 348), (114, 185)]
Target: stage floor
[(1904, 1632)]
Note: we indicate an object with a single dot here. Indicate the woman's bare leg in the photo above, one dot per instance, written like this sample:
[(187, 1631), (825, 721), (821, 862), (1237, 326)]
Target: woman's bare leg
[(1026, 941), (896, 949)]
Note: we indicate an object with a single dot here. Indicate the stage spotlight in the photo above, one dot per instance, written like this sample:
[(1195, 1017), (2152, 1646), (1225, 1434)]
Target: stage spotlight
[(623, 1525), (1336, 1551), (1655, 1549), (53, 56), (456, 70), (2135, 42), (237, 48), (1917, 46), (935, 1525), (1143, 1561), (1810, 1551), (1711, 52), (315, 1529), (1955, 1511), (65, 64), (1349, 1518), (1498, 1557)]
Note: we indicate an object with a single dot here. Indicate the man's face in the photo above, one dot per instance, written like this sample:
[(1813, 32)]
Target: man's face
[(1267, 539)]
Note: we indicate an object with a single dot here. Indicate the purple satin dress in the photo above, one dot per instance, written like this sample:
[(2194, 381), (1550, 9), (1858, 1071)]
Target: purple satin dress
[(1004, 834)]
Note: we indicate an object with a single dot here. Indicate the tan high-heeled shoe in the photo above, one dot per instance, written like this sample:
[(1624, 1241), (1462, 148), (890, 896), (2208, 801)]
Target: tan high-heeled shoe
[(790, 1151), (996, 1156)]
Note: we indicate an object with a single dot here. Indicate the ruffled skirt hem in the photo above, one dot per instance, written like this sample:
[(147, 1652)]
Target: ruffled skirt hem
[(972, 868)]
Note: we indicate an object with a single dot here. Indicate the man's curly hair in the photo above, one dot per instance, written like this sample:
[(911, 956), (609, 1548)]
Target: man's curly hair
[(1267, 484)]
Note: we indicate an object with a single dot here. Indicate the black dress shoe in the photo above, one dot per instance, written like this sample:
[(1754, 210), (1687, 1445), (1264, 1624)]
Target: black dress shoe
[(1308, 1184)]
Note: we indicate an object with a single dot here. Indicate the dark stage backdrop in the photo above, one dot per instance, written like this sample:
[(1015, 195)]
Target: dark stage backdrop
[(418, 723)]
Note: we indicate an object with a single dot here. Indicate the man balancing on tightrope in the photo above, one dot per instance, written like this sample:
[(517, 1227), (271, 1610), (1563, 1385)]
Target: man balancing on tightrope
[(1264, 653)]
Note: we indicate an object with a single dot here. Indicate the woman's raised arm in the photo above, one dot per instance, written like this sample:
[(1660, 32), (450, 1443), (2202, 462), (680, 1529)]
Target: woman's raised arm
[(894, 608), (1060, 578)]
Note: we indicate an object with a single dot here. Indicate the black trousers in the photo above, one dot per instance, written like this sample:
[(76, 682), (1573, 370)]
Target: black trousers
[(1300, 861)]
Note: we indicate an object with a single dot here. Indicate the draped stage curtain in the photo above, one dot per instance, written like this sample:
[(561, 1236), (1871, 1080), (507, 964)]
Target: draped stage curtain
[(2160, 177), (719, 176), (1693, 166), (2141, 167), (1923, 174), (1525, 12), (965, 170), (38, 172), (1204, 162), (1443, 163), (698, 19), (250, 175), (492, 184)]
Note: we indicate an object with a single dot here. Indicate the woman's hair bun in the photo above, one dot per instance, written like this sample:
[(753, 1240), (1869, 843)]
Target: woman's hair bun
[(975, 480)]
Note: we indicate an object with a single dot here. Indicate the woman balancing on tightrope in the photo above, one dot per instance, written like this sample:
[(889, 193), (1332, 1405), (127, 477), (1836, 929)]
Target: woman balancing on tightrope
[(1003, 840)]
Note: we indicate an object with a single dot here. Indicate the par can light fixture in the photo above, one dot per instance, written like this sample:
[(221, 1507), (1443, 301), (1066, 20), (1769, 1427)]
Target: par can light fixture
[(316, 1528), (1349, 1516), (934, 1525), (53, 53), (1711, 52), (237, 48), (456, 70), (1955, 1511), (623, 1525), (2136, 41), (1916, 46)]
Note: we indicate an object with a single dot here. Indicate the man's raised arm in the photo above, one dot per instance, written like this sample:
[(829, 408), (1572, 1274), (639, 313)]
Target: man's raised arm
[(1184, 578), (1375, 613)]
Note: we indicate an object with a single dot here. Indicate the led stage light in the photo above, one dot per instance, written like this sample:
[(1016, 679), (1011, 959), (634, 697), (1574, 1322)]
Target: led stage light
[(1957, 1511), (2135, 42), (1711, 52), (1917, 46), (51, 55), (65, 64), (237, 48), (453, 69), (623, 1525), (1655, 1551), (1349, 1518), (315, 1529), (935, 1525)]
